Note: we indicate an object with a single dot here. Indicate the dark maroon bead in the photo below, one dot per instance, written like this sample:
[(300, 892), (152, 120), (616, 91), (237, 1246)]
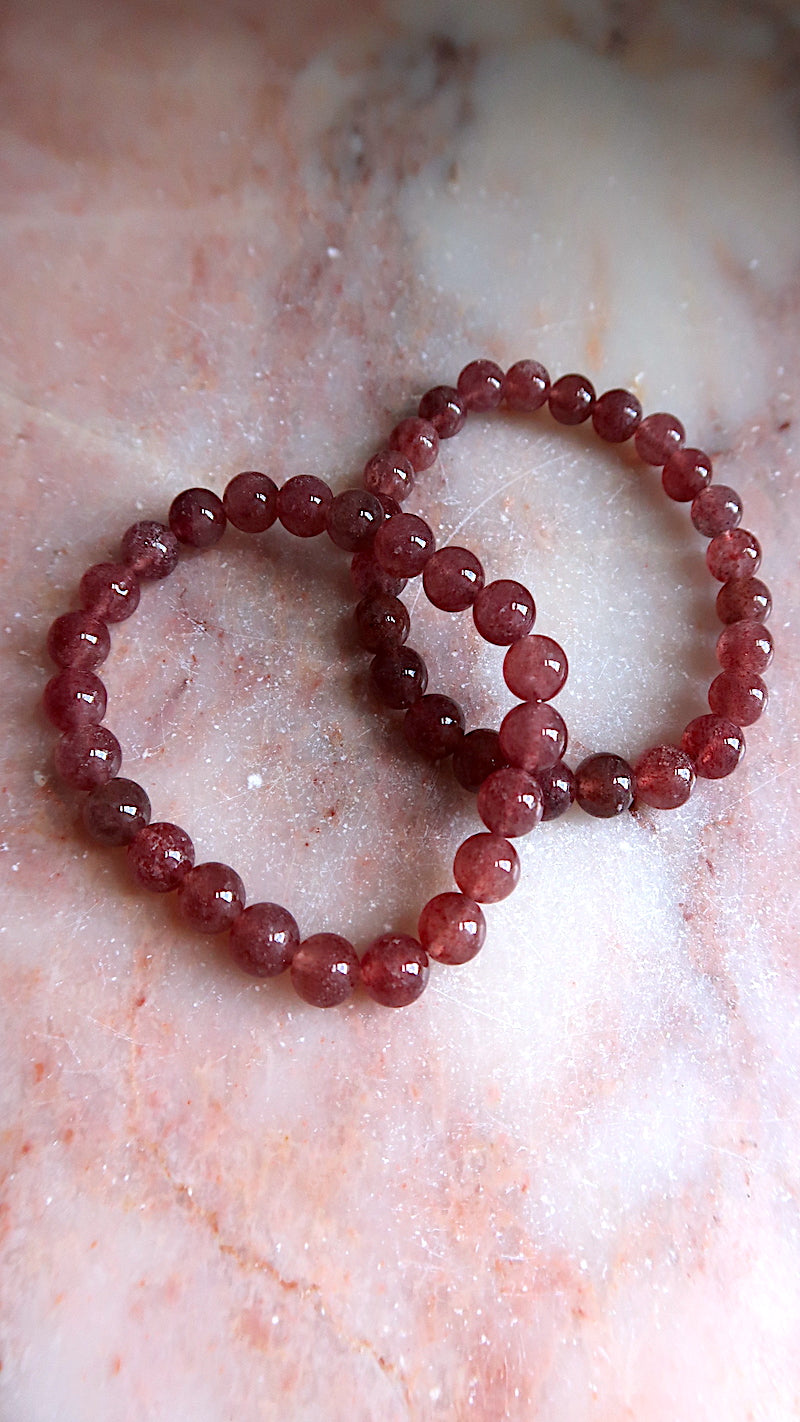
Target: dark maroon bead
[(616, 415), (664, 777), (150, 550), (399, 676), (477, 756), (740, 697), (303, 504), (557, 784), (604, 785), (452, 928), (381, 621), (510, 802), (744, 600), (251, 501), (417, 441), (658, 437), (390, 506), (685, 473), (745, 647), (368, 577), (571, 399), (434, 726), (74, 698), (395, 969), (115, 812), (78, 640), (486, 868), (403, 545), (160, 857), (535, 668), (533, 736), (716, 509), (452, 579), (263, 940), (211, 896), (504, 611), (733, 554), (389, 474), (197, 517), (526, 386), (88, 756), (444, 408), (353, 519), (714, 744), (110, 591), (480, 385), (325, 970)]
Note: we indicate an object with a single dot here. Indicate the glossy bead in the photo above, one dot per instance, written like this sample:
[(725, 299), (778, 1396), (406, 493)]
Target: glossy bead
[(504, 611), (390, 506), (88, 756), (444, 408), (571, 399), (716, 509), (604, 785), (452, 578), (526, 386), (399, 676), (417, 441), (745, 647), (657, 437), (434, 726), (325, 970), (251, 501), (535, 668), (303, 503), (78, 640), (211, 897), (714, 744), (381, 621), (510, 802), (390, 474), (114, 813), (616, 415), (478, 755), (197, 517), (664, 777), (740, 697), (557, 784), (486, 868), (533, 736), (110, 591), (353, 519), (74, 698), (368, 577), (452, 928), (150, 550), (744, 600), (263, 940), (685, 473), (403, 545), (395, 969), (733, 554), (480, 385), (160, 857)]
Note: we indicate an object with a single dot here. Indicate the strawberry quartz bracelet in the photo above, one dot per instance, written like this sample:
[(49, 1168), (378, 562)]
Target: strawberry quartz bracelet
[(518, 771)]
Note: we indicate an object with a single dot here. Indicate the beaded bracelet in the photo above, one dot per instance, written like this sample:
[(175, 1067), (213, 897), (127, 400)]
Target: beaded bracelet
[(518, 771)]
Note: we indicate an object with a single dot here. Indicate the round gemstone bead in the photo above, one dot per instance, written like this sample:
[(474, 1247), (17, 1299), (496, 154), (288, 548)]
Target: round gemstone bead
[(480, 385), (251, 501), (535, 668), (510, 802), (657, 437), (486, 868), (395, 969), (150, 550), (368, 577), (390, 474), (263, 940), (616, 415), (452, 579), (417, 441), (160, 857), (114, 813), (390, 506), (504, 611), (745, 647), (733, 554), (399, 676), (604, 785), (434, 726), (444, 408), (533, 736), (571, 399), (452, 928), (716, 509), (403, 545), (714, 744), (110, 591), (197, 517), (211, 897), (88, 756), (78, 640), (325, 970), (526, 386), (557, 784), (664, 777), (685, 473), (381, 621), (303, 503), (740, 697), (74, 698), (744, 600), (353, 519), (478, 755)]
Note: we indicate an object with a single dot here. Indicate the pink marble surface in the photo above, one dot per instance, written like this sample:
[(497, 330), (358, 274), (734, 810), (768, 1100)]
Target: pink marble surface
[(564, 1185)]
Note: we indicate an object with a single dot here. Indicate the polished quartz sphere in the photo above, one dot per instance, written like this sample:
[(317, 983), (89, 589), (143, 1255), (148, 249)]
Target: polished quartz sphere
[(197, 517), (110, 591), (480, 385), (417, 441), (486, 868), (510, 802), (399, 676), (88, 756), (685, 473), (353, 519), (526, 386), (368, 577), (476, 757), (303, 503), (263, 940), (616, 415), (444, 408), (452, 578), (211, 896), (395, 970), (571, 399), (664, 777), (557, 786), (403, 545), (115, 812), (533, 736), (452, 928), (251, 501), (150, 550), (74, 698), (78, 640), (434, 726), (715, 745), (741, 696), (715, 510), (160, 857), (389, 474), (503, 611), (744, 600), (324, 970), (745, 647), (733, 554), (535, 668), (657, 437), (381, 621), (604, 785)]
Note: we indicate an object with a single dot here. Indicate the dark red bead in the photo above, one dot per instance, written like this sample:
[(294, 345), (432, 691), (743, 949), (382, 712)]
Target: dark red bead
[(477, 756), (403, 545), (74, 698), (251, 501), (480, 385), (399, 676), (714, 744), (434, 726), (78, 640), (533, 736), (733, 554), (263, 940), (740, 697), (452, 579), (389, 474), (486, 868), (160, 857), (417, 440), (745, 647), (353, 519), (150, 550), (390, 506), (368, 577), (444, 408), (381, 621), (571, 399), (526, 386), (395, 969), (658, 437), (510, 802), (604, 785), (114, 813), (616, 415), (685, 473), (452, 928), (716, 509), (325, 970), (197, 517), (744, 600), (211, 896), (535, 668), (664, 777), (303, 504), (110, 591), (88, 756), (557, 784), (504, 611)]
